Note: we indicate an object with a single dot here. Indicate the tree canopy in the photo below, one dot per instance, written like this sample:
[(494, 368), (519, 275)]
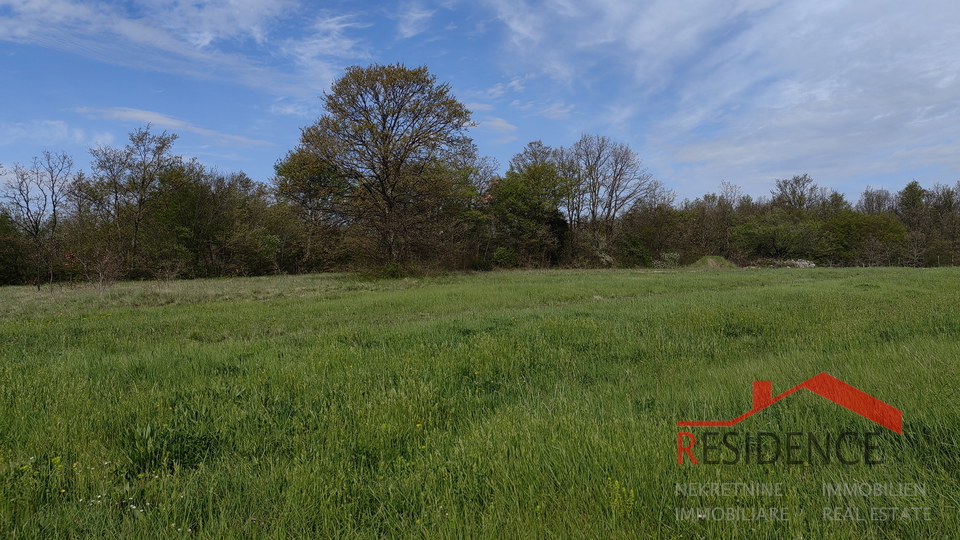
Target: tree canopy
[(386, 133)]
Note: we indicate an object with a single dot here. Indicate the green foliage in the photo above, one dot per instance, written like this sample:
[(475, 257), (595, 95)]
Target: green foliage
[(390, 270), (862, 239), (707, 224), (655, 230), (526, 207), (604, 179), (912, 206), (314, 186), (633, 252), (505, 258), (797, 195), (33, 199), (387, 181), (386, 144), (778, 234), (9, 251), (312, 212), (118, 201)]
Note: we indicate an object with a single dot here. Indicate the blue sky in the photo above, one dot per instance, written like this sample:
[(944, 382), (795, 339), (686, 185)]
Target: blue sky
[(854, 93)]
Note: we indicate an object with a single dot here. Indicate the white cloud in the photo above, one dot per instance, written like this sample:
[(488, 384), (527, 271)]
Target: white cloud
[(742, 90), (557, 111), (498, 124), (750, 89), (517, 83), (202, 39), (413, 20), (505, 130), (292, 109), (101, 139), (499, 90), (202, 23), (524, 23), (45, 132), (138, 116), (848, 92), (479, 107), (319, 53), (494, 91)]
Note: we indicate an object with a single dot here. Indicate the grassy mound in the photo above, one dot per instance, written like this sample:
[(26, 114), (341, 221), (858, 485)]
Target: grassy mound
[(712, 261)]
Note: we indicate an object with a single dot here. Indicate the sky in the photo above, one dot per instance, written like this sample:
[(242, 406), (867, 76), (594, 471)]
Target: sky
[(853, 93)]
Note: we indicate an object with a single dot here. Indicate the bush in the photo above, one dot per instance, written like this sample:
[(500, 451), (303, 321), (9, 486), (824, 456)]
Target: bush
[(505, 257), (634, 253), (667, 260)]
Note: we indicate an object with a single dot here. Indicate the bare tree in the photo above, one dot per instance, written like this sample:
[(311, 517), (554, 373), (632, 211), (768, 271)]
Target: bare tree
[(606, 178), (876, 201), (574, 200), (34, 198)]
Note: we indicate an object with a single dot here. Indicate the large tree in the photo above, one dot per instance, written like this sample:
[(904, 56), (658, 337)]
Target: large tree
[(605, 179), (386, 137), (529, 227)]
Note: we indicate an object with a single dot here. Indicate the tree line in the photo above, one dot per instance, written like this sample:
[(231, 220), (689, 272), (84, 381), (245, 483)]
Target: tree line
[(388, 180)]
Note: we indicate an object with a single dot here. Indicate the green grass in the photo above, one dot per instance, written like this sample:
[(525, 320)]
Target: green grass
[(500, 405)]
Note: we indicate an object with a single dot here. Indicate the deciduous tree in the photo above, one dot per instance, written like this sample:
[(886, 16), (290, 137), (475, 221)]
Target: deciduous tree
[(385, 130), (121, 187), (529, 226), (605, 179), (35, 197)]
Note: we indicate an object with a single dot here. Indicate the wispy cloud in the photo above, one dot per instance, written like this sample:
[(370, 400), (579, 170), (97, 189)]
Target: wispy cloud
[(505, 131), (202, 23), (517, 83), (139, 116), (742, 90), (750, 89), (42, 131), (319, 53), (844, 94), (526, 24), (292, 109), (553, 110), (557, 111), (494, 91), (499, 90), (413, 19), (479, 106), (203, 39)]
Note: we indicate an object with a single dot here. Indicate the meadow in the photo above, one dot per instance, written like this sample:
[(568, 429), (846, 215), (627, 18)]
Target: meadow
[(498, 405)]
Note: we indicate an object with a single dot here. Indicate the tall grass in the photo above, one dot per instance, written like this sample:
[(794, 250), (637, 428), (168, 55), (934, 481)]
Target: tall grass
[(501, 405)]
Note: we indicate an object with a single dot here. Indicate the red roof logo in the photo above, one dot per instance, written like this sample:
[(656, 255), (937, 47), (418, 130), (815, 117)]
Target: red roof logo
[(826, 386)]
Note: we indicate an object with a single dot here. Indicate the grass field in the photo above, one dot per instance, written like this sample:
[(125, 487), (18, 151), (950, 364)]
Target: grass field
[(500, 405)]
